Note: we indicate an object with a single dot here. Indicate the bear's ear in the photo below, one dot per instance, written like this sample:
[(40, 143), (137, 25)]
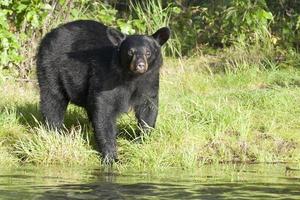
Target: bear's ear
[(115, 36), (162, 35)]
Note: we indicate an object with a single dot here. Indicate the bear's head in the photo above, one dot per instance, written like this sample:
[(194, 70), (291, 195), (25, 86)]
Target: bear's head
[(138, 53)]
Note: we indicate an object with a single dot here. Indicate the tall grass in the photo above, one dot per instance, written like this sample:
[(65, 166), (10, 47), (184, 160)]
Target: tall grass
[(6, 158), (154, 16), (249, 114), (52, 147)]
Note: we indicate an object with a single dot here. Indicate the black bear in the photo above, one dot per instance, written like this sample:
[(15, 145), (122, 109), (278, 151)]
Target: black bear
[(103, 70)]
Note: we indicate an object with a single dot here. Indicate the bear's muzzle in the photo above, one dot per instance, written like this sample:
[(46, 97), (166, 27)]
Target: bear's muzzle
[(139, 64)]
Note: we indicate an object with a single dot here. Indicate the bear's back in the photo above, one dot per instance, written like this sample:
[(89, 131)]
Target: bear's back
[(70, 54), (77, 36)]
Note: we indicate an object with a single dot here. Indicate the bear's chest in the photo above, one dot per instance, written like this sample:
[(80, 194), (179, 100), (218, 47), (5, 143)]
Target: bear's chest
[(117, 99)]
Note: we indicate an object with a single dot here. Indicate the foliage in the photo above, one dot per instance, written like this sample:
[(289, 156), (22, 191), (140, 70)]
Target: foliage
[(222, 23), (194, 24), (246, 21), (286, 24), (23, 23), (226, 23), (8, 41), (104, 13), (20, 22)]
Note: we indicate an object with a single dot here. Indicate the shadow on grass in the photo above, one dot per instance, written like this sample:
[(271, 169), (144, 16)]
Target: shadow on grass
[(30, 116), (129, 131)]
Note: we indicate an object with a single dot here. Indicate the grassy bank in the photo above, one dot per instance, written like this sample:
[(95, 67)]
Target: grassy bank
[(208, 114)]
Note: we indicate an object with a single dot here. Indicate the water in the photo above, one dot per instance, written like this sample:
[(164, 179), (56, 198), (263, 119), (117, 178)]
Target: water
[(209, 182)]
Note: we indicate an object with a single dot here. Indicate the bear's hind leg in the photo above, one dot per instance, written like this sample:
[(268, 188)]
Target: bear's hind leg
[(53, 108)]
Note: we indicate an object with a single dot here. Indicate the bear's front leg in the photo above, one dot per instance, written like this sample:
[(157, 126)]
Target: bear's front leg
[(103, 120), (146, 111)]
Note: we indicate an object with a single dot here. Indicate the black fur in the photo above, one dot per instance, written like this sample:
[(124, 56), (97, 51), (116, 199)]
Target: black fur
[(102, 70)]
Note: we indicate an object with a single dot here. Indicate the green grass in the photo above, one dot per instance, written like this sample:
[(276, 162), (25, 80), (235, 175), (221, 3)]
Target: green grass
[(242, 115)]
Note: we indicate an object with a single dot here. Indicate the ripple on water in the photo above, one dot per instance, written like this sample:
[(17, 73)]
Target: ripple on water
[(208, 182)]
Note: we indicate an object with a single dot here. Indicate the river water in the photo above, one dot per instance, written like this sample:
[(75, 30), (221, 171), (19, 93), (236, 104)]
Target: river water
[(256, 181)]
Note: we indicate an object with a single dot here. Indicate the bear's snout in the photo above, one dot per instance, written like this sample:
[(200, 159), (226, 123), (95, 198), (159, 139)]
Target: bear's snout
[(139, 65)]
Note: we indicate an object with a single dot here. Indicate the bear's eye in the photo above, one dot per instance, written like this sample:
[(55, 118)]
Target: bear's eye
[(130, 52), (148, 54)]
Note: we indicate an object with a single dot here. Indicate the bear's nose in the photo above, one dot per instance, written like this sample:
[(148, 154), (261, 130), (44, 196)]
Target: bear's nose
[(140, 66)]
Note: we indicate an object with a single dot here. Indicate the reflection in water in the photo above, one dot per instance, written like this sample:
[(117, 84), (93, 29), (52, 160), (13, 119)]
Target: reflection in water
[(173, 191), (210, 182)]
